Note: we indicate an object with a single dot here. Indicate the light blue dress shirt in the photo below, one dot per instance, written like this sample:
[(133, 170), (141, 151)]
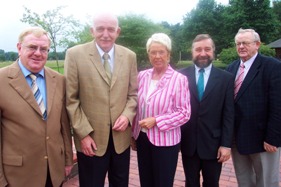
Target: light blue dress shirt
[(41, 82)]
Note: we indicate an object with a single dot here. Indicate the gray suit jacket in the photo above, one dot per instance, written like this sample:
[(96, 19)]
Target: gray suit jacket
[(93, 104)]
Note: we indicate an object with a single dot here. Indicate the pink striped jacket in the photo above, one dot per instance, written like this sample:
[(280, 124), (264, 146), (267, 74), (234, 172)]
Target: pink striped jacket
[(169, 103)]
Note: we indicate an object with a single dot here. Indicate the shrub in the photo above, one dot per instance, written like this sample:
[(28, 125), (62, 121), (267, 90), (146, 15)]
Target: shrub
[(229, 55)]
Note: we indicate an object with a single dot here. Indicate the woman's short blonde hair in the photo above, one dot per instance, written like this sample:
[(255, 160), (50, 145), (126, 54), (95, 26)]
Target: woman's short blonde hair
[(161, 38)]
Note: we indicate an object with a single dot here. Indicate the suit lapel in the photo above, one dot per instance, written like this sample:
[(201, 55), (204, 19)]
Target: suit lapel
[(162, 83), (253, 71), (96, 59), (213, 78), (51, 82), (18, 82), (117, 65), (192, 82)]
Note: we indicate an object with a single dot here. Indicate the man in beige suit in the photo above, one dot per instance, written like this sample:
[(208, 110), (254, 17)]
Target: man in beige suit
[(35, 143), (102, 104)]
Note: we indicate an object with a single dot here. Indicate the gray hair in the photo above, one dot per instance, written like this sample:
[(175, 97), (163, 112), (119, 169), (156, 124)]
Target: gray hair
[(160, 38), (252, 31)]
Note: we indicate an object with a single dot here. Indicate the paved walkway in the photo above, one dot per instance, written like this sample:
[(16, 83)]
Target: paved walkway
[(227, 178)]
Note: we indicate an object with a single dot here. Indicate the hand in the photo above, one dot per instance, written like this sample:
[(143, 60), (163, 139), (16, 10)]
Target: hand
[(148, 123), (133, 144), (121, 123), (67, 170), (269, 148), (88, 146), (223, 154)]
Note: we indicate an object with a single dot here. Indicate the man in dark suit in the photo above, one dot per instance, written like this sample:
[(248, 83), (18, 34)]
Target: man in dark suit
[(207, 136), (101, 101), (256, 155)]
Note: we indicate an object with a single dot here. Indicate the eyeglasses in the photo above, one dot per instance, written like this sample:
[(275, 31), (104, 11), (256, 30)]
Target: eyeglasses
[(34, 48), (245, 44), (154, 53)]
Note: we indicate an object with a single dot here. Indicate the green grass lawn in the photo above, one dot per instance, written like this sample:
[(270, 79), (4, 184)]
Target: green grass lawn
[(216, 63), (53, 64)]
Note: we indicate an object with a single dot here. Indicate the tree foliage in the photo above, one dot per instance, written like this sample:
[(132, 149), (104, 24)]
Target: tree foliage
[(221, 22), (230, 54), (277, 11), (135, 31), (255, 14), (55, 23), (206, 18)]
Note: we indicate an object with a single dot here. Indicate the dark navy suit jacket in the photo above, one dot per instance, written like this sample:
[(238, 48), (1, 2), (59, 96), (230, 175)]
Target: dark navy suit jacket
[(258, 105), (212, 120)]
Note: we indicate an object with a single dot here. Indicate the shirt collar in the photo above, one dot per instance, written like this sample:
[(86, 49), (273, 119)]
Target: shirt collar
[(101, 52), (26, 72), (249, 62), (207, 69)]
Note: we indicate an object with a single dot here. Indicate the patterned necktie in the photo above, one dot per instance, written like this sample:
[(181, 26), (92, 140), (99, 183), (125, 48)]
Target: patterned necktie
[(38, 96), (200, 84), (106, 65), (239, 80)]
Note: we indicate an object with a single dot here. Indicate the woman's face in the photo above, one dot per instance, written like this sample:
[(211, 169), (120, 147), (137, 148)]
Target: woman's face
[(159, 56)]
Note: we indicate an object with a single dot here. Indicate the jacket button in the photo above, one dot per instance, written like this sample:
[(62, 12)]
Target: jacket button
[(45, 157)]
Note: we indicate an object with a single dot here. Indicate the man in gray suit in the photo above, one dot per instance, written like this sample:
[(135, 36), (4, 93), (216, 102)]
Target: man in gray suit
[(101, 86), (256, 152)]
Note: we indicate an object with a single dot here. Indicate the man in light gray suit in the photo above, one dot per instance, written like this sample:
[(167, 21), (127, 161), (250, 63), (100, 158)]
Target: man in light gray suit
[(102, 104)]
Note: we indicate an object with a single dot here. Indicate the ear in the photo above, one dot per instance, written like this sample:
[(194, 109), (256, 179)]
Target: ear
[(118, 31)]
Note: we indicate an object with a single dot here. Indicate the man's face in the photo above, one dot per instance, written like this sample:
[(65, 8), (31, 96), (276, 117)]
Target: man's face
[(33, 52), (202, 53), (105, 32), (246, 46)]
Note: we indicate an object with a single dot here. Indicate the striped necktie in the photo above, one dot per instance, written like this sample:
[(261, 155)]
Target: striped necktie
[(200, 84), (38, 96), (239, 80), (106, 65)]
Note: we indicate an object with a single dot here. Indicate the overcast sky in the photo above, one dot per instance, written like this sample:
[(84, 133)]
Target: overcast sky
[(155, 10)]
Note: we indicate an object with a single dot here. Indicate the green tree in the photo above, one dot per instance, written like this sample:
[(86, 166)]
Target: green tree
[(277, 11), (178, 44), (53, 21), (135, 31), (2, 55), (255, 14), (230, 54), (11, 56), (206, 18)]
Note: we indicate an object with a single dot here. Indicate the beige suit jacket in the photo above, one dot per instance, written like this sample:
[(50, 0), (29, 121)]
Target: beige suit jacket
[(92, 103), (28, 143)]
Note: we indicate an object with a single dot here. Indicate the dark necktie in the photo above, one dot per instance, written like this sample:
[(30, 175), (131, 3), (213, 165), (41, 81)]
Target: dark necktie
[(38, 96), (200, 84)]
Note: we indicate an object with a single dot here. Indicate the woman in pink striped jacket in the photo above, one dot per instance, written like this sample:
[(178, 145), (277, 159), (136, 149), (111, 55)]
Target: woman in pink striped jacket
[(163, 106)]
